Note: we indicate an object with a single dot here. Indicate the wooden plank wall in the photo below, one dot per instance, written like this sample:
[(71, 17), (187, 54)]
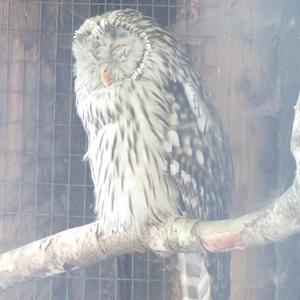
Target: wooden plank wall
[(233, 69)]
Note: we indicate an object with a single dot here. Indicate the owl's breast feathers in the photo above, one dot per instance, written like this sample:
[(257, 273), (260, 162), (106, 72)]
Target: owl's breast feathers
[(149, 155)]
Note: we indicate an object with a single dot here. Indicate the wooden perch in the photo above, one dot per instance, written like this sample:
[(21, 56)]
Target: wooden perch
[(88, 244)]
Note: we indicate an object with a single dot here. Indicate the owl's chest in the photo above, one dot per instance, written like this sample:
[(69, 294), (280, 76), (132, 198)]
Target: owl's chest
[(124, 149), (136, 154), (129, 176), (131, 135)]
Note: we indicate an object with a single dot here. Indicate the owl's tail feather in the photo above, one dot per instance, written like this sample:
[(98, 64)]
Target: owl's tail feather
[(194, 277)]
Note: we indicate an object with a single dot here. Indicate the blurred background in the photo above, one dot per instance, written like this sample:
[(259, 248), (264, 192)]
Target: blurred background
[(247, 52)]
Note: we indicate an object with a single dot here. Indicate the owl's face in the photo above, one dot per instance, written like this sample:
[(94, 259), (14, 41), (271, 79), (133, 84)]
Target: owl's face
[(109, 51)]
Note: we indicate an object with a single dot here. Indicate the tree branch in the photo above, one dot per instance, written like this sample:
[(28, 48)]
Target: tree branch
[(88, 244)]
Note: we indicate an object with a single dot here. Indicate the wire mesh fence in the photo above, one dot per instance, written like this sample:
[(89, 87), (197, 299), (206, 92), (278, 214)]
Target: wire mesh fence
[(245, 52), (44, 185)]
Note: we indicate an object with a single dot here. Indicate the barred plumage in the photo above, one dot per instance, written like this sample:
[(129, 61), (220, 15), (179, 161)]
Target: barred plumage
[(155, 145)]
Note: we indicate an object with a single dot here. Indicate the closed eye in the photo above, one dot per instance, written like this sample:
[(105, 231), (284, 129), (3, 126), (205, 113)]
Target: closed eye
[(115, 47)]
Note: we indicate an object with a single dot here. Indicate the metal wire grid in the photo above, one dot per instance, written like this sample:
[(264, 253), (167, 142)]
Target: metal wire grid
[(44, 186)]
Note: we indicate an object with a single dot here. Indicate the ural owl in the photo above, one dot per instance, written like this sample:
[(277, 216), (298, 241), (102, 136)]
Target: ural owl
[(155, 145)]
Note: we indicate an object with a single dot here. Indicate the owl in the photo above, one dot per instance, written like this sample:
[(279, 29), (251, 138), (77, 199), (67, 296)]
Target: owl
[(156, 148)]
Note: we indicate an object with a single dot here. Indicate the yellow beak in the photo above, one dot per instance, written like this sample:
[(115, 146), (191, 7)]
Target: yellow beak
[(105, 76)]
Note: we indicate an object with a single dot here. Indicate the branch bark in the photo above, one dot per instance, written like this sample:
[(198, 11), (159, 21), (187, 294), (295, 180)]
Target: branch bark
[(88, 244)]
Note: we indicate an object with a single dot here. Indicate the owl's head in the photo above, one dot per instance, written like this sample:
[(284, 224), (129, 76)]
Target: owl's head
[(111, 48)]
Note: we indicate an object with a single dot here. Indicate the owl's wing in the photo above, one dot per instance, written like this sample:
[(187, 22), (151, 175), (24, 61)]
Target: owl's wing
[(204, 173), (200, 164)]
